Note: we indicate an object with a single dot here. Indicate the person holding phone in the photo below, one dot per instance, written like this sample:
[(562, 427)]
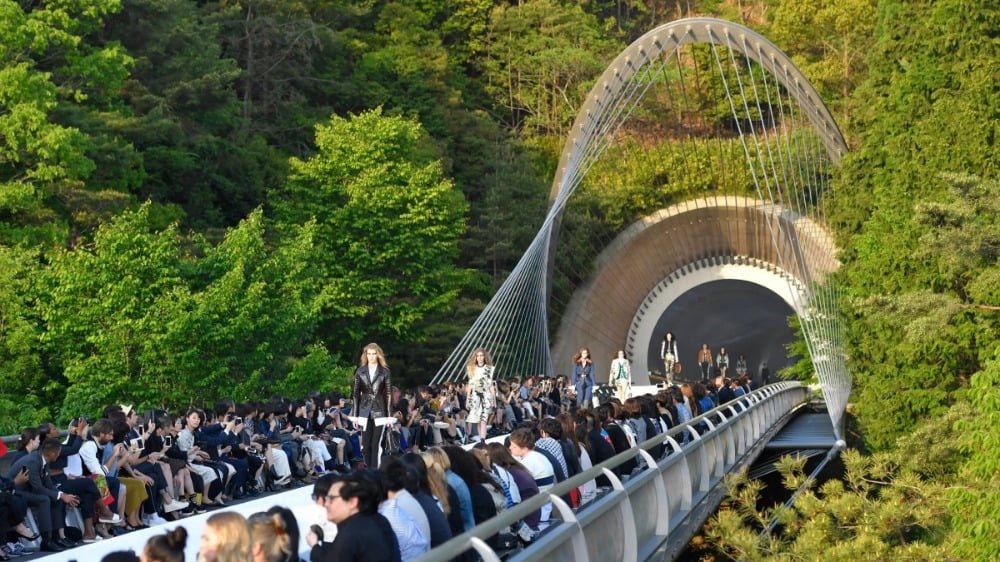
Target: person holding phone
[(68, 481), (13, 511), (371, 396), (42, 494)]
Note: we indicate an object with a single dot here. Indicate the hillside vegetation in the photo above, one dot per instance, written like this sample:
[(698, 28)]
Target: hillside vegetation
[(207, 198)]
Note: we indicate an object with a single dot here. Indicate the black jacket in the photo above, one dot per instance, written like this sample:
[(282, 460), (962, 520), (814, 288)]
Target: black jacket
[(361, 537), (371, 397)]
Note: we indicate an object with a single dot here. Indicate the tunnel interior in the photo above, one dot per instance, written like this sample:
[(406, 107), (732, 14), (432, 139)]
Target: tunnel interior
[(739, 315)]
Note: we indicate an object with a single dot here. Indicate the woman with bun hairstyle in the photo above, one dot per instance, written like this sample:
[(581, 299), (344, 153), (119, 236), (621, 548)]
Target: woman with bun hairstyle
[(270, 538), (166, 548)]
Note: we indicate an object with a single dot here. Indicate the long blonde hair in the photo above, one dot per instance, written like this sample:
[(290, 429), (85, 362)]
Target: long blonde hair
[(378, 350), (436, 477), (470, 367), (233, 534)]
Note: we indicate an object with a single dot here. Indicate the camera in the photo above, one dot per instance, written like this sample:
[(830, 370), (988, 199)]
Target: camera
[(76, 421)]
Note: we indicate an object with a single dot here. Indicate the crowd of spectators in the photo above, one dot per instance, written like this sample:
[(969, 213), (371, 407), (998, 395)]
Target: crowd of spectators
[(128, 470)]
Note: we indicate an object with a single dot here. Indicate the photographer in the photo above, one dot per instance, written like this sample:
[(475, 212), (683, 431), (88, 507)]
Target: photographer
[(340, 436), (319, 459), (200, 461), (249, 446)]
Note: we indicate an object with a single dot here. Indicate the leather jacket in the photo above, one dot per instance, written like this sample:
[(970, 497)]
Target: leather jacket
[(371, 397)]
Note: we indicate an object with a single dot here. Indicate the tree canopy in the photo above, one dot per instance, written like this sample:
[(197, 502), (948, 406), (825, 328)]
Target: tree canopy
[(202, 198)]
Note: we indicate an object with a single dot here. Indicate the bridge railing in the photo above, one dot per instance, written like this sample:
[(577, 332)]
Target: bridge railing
[(658, 509)]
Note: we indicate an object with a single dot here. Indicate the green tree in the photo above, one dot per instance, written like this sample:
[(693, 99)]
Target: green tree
[(541, 58), (25, 390), (975, 504), (406, 69), (150, 316), (317, 370), (829, 41), (95, 305), (184, 118), (919, 242), (291, 61), (388, 224), (880, 511), (45, 64)]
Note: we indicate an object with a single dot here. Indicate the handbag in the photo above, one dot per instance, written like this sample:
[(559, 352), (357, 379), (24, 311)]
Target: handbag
[(390, 440)]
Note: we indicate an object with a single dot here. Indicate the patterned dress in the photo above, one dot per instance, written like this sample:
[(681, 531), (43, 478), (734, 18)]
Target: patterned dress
[(482, 401)]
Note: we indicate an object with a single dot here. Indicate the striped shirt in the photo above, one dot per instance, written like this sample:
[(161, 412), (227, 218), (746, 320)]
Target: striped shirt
[(541, 470)]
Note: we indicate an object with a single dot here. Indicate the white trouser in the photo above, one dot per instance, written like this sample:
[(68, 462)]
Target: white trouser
[(207, 474), (317, 449), (277, 459)]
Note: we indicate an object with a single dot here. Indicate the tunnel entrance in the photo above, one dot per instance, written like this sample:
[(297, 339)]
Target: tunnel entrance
[(741, 316)]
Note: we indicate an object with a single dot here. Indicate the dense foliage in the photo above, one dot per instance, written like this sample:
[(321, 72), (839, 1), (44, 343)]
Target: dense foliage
[(207, 198), (916, 215)]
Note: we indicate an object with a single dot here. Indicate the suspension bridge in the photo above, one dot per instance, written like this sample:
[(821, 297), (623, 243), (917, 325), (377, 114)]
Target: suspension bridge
[(721, 150)]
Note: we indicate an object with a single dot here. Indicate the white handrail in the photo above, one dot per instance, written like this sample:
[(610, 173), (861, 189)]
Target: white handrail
[(673, 488)]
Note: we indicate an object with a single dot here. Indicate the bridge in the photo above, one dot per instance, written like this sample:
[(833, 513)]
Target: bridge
[(734, 149), (721, 150), (650, 515), (653, 514)]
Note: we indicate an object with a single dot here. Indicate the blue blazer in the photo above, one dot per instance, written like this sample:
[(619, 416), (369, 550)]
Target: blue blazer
[(583, 376)]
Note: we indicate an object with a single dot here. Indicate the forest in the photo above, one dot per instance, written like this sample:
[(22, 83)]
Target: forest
[(202, 198)]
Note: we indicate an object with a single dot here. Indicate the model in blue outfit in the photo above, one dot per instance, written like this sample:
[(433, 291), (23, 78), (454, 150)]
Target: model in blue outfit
[(583, 377)]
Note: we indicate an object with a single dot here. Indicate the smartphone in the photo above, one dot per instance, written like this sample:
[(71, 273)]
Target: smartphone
[(139, 443), (239, 421), (24, 470), (168, 441)]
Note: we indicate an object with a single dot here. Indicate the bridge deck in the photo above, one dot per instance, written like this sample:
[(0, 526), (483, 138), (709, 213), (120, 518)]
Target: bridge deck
[(806, 431)]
